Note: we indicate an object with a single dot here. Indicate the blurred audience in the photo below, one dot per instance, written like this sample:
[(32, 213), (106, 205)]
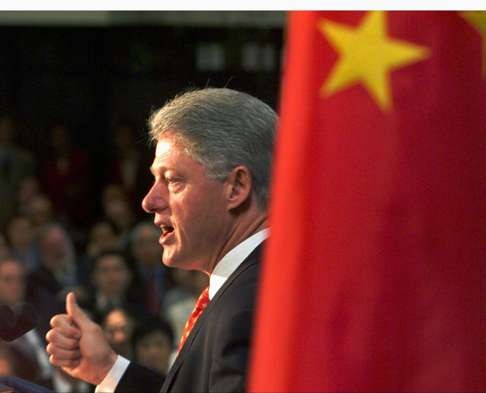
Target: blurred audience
[(118, 327), (147, 255), (153, 342), (28, 188), (117, 210), (29, 349), (39, 210), (55, 242), (111, 278), (20, 237), (66, 176), (103, 236), (16, 163)]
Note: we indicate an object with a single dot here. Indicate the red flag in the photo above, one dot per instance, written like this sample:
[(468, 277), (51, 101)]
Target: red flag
[(372, 280)]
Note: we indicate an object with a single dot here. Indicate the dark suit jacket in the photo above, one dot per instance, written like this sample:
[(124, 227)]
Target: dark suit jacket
[(215, 355)]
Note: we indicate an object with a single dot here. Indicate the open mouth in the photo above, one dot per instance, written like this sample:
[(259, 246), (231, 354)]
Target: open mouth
[(167, 230)]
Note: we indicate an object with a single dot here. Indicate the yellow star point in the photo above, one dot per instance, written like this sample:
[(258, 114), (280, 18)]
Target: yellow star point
[(478, 20), (367, 55)]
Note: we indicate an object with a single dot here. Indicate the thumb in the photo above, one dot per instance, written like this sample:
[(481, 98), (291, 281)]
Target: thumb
[(78, 316)]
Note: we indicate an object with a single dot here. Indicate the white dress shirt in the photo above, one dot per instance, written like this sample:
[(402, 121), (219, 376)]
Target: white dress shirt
[(224, 268)]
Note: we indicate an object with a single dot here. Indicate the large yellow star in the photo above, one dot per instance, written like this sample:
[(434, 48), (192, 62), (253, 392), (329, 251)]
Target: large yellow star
[(367, 55), (478, 20)]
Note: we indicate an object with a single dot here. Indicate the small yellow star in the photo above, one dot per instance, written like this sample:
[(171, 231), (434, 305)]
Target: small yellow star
[(367, 55), (478, 20)]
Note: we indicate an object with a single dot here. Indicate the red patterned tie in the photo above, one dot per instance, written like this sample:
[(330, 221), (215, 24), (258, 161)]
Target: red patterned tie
[(201, 304)]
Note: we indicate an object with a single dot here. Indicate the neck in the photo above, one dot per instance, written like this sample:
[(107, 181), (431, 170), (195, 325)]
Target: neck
[(242, 230)]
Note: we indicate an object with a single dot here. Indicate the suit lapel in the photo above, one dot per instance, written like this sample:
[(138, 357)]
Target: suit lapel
[(251, 260)]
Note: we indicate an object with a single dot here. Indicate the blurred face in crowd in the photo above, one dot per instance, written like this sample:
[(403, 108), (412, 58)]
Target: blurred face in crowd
[(56, 249), (189, 207), (145, 246), (40, 210), (153, 351), (20, 233), (118, 328), (102, 237), (111, 276), (12, 282)]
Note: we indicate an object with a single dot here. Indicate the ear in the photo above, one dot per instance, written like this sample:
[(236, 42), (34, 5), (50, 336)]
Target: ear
[(238, 187)]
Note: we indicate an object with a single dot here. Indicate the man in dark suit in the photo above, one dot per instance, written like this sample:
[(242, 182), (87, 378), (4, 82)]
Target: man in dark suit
[(209, 198)]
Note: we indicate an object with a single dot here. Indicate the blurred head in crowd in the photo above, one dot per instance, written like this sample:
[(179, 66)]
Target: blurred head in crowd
[(103, 236), (19, 232), (4, 249), (12, 281), (27, 190), (56, 250), (116, 207), (118, 326), (145, 244), (153, 341), (39, 210), (111, 276)]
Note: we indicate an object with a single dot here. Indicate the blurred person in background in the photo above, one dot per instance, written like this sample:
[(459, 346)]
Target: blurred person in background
[(185, 287), (102, 236), (66, 176), (28, 188), (153, 343), (147, 253), (29, 349), (118, 325), (57, 273), (20, 236), (117, 210), (40, 211), (111, 278), (16, 163)]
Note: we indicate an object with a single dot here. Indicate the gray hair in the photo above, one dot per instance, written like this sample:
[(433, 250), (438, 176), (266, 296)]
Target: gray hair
[(222, 128)]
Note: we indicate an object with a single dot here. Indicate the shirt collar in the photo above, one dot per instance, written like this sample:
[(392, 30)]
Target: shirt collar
[(230, 262)]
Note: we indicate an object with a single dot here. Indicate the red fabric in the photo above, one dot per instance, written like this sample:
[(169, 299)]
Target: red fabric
[(374, 265), (199, 307)]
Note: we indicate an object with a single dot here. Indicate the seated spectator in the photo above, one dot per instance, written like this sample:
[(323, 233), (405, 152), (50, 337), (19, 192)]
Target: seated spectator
[(117, 210), (111, 279), (118, 327), (28, 188), (20, 237), (39, 211), (147, 256), (102, 236), (29, 349), (153, 342), (57, 273)]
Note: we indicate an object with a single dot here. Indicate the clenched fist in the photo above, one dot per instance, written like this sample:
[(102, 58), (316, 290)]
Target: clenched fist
[(78, 345)]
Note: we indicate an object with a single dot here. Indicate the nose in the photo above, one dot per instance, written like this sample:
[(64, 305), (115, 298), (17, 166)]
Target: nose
[(155, 199)]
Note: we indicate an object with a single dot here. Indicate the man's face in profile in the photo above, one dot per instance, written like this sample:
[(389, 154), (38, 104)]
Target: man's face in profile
[(189, 207)]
